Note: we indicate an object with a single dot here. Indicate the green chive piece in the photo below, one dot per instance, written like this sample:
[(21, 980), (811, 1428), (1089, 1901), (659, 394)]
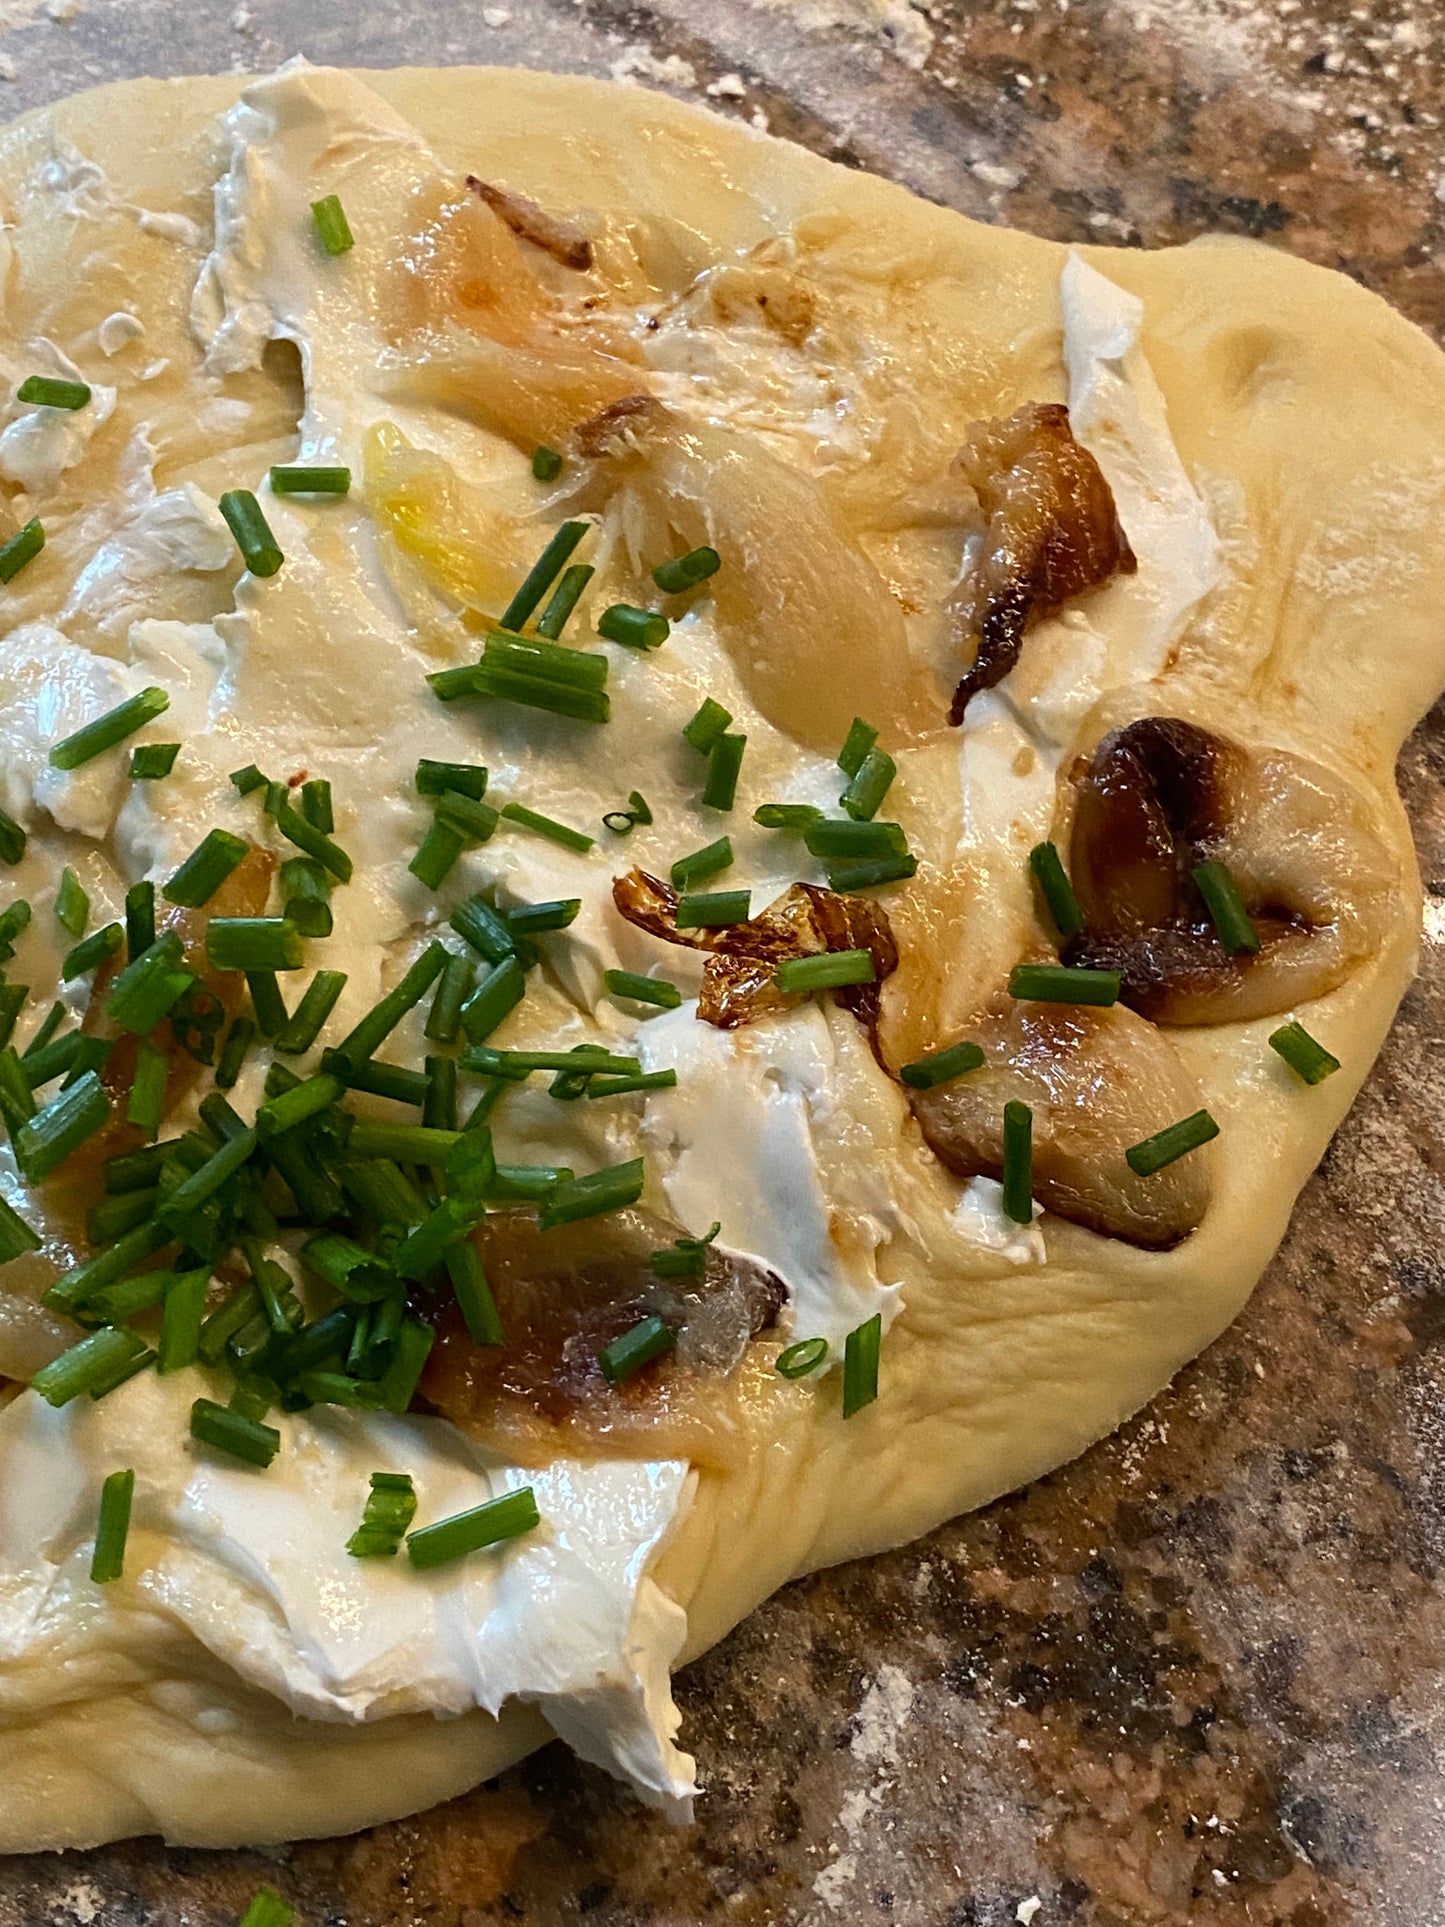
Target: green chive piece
[(546, 660), (382, 1019), (724, 762), (381, 1080), (146, 1105), (13, 999), (581, 704), (1064, 984), (121, 1302), (316, 805), (620, 822), (107, 730), (707, 862), (454, 986), (684, 1257), (54, 1017), (348, 1268), (829, 971), (564, 599), (230, 1432), (543, 573), (643, 990), (295, 828), (506, 1517), (48, 1138), (707, 727), (534, 919), (82, 1281), (451, 685), (1307, 1058), (295, 1106), (860, 1364), (151, 760), (72, 903), (239, 1039), (865, 873), (399, 1381), (390, 1509), (439, 1110), (634, 628), (218, 1170), (22, 547), (436, 853), (546, 463), (136, 1170), (648, 1339), (1175, 1141), (517, 1064), (1018, 1163), (555, 832), (49, 391), (435, 779), (16, 1237), (254, 943), (866, 791), (801, 1359), (268, 1909), (710, 910), (245, 520), (472, 820), (1056, 890), (406, 1143), (500, 991), (474, 1294), (856, 744), (686, 571), (248, 779), (107, 1562), (181, 1316), (267, 1002), (299, 479), (1226, 909), (833, 837), (610, 1189), (941, 1066), (304, 1026), (14, 920), (306, 892), (140, 919), (332, 228), (92, 951), (12, 837), (205, 870), (786, 816), (638, 1081), (94, 1360), (530, 1182)]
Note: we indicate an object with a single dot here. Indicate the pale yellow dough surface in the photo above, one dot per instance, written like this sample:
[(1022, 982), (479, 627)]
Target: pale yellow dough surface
[(1307, 413)]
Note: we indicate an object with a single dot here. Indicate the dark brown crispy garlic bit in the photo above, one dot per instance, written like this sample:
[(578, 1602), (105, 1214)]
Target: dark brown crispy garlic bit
[(1162, 796), (563, 240), (738, 978), (1051, 532)]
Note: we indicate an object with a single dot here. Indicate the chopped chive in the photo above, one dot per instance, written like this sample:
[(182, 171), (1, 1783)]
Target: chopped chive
[(87, 1364), (707, 727), (239, 1039), (801, 1359), (107, 1562), (1056, 890), (724, 762), (484, 928), (248, 779), (72, 903), (54, 1018), (517, 1064), (860, 1364), (532, 1182), (304, 1026), (609, 1189), (43, 1066), (218, 1170), (1307, 1058), (316, 805), (684, 1257), (439, 1109), (136, 1170), (506, 1517), (16, 1237), (1226, 909), (383, 1189), (500, 990), (626, 1355), (254, 943), (635, 628), (856, 745), (268, 1909), (267, 1002), (1018, 1163), (582, 705), (406, 1143), (786, 816), (436, 853), (1064, 984), (49, 391), (547, 660), (533, 919), (555, 832), (829, 971), (348, 1268), (389, 1510), (151, 760), (382, 1019), (451, 685), (454, 986), (296, 1105), (48, 1138), (643, 990), (638, 1081), (299, 479), (564, 599), (121, 1302), (333, 230), (543, 573), (22, 547), (12, 837), (13, 999), (710, 910), (244, 518), (399, 1381), (380, 1080), (620, 822), (146, 1105), (941, 1066), (707, 862), (181, 1316), (107, 730), (474, 1294), (865, 873), (435, 779), (295, 828), (82, 1281), (686, 571), (1175, 1141), (306, 893), (546, 463), (14, 920), (205, 870), (230, 1432), (92, 951), (834, 837), (472, 820), (867, 789)]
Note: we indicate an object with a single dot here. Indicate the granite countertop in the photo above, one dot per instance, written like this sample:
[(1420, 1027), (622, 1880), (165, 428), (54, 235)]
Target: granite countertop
[(1196, 1676)]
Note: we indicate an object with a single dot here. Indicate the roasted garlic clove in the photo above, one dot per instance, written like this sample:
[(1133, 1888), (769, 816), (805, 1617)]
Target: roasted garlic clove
[(1097, 1082)]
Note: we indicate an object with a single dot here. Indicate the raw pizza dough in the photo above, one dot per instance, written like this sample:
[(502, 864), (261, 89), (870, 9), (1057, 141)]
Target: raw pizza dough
[(1306, 414)]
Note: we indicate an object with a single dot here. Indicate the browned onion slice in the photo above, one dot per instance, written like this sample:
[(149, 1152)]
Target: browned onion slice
[(563, 240)]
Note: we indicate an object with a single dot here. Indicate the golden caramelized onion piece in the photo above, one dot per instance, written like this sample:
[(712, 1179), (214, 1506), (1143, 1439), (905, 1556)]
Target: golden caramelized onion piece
[(1097, 1081), (562, 1295), (563, 240), (1050, 532), (738, 978), (812, 628), (1160, 797)]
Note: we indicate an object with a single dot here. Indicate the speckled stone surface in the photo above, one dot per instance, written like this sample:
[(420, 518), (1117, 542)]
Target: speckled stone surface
[(1195, 1677)]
